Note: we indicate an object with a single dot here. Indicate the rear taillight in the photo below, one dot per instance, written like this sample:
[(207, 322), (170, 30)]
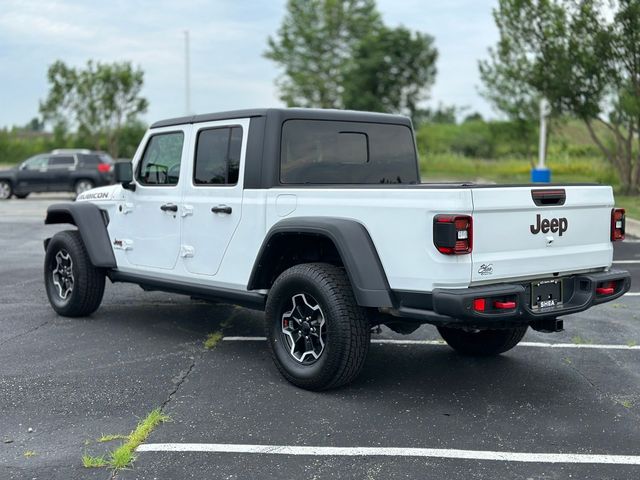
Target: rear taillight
[(453, 234), (617, 224), (104, 167)]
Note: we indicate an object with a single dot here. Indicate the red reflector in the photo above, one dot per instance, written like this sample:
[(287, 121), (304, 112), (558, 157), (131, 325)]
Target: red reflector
[(605, 290), (617, 224), (504, 305), (104, 167), (479, 304)]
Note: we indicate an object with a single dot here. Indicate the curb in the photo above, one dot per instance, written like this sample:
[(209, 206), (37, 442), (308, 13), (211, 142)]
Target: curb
[(632, 227)]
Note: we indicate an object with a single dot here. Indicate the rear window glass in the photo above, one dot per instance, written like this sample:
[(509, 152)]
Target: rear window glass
[(327, 152), (89, 159)]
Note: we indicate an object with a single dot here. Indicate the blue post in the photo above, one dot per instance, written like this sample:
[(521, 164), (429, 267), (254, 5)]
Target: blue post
[(540, 175)]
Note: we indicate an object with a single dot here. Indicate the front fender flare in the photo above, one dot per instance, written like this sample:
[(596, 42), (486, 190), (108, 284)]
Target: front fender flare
[(356, 249), (92, 227)]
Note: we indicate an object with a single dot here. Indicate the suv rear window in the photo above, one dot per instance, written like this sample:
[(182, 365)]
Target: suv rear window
[(89, 160), (329, 152)]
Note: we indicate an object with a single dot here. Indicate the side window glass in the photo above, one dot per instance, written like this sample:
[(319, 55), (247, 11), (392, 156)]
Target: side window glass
[(160, 164), (61, 161), (217, 159), (35, 163)]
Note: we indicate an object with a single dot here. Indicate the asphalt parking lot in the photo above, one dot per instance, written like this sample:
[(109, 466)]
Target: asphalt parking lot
[(417, 411)]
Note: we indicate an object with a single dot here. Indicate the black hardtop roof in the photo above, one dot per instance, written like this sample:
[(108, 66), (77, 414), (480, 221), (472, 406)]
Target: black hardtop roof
[(283, 114)]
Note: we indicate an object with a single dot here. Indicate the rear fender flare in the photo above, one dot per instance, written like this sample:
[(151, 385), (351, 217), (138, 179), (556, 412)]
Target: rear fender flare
[(356, 250)]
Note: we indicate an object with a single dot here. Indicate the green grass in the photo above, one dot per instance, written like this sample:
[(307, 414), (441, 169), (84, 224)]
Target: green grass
[(581, 341), (94, 462), (450, 167), (111, 438), (631, 343), (124, 455), (29, 454), (626, 403), (212, 340), (631, 203)]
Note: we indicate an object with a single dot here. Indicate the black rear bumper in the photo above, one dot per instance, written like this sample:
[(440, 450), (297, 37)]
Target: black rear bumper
[(456, 306)]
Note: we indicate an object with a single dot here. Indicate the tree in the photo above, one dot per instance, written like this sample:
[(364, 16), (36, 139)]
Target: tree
[(99, 101), (339, 54), (390, 71), (585, 65)]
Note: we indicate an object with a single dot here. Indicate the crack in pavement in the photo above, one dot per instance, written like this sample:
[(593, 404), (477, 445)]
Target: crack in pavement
[(31, 330), (182, 376), (600, 393)]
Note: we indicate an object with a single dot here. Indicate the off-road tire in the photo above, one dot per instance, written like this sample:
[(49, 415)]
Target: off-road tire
[(484, 342), (88, 281), (347, 327)]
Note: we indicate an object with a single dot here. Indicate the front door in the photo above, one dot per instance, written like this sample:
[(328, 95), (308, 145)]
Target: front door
[(149, 227), (212, 195), (32, 175)]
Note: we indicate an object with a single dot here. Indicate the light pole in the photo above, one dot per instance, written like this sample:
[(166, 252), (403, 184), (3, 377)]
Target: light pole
[(186, 74), (542, 174)]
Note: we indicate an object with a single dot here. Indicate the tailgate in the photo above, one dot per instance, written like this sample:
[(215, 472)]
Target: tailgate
[(513, 237)]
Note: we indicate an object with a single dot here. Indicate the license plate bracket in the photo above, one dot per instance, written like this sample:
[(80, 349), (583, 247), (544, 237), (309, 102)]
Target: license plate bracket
[(546, 293)]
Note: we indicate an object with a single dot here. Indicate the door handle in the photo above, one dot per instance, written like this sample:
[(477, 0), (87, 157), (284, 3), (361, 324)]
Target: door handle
[(221, 209), (169, 207)]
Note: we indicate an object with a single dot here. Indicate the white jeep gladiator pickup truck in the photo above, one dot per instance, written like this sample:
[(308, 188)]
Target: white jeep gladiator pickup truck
[(319, 218)]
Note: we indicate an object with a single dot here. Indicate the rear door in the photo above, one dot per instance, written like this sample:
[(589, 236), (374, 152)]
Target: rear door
[(212, 195), (531, 232), (59, 171)]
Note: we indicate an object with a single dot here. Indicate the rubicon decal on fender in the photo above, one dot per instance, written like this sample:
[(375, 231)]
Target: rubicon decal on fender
[(555, 225)]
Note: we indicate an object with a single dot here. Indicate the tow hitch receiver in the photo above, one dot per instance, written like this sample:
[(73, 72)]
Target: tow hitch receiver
[(547, 325)]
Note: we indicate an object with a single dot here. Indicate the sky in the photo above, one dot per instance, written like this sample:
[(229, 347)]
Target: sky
[(228, 38)]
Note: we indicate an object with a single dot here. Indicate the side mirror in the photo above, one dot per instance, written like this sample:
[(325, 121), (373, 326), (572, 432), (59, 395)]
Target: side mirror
[(124, 175)]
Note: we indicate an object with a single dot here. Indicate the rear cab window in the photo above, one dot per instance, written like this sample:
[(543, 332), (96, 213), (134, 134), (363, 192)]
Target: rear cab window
[(335, 152), (160, 163)]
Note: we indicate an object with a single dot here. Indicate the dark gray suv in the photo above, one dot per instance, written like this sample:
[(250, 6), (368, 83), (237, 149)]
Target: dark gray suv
[(59, 171)]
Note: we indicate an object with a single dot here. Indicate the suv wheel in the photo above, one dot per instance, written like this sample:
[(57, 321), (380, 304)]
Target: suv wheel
[(5, 190), (74, 286), (483, 342), (82, 186), (318, 335)]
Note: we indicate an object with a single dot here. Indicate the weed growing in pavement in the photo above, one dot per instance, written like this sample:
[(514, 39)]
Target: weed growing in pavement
[(111, 438), (581, 341), (29, 453), (94, 462), (123, 456), (212, 340), (631, 343)]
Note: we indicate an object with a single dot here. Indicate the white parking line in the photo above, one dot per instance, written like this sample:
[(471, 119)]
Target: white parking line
[(626, 261), (632, 294), (392, 452), (441, 343)]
